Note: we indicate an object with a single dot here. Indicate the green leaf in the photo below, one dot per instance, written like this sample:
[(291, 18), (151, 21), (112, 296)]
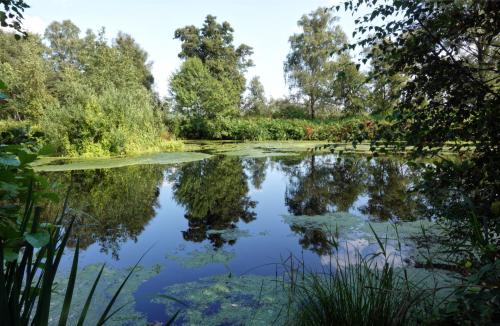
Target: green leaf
[(10, 254), (38, 239), (9, 160)]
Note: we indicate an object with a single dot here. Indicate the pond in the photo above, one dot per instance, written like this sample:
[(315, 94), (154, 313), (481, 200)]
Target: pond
[(219, 231)]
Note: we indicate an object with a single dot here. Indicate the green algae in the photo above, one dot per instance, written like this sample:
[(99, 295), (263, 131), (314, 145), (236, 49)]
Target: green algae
[(228, 300), (254, 149), (231, 234), (201, 258), (352, 226), (56, 164), (110, 281)]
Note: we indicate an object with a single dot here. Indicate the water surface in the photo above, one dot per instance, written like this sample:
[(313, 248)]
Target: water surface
[(208, 222)]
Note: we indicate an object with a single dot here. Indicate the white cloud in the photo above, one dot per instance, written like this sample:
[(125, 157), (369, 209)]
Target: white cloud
[(34, 24)]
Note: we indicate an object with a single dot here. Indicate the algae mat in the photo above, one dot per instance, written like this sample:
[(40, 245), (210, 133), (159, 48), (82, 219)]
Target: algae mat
[(55, 164), (255, 149), (228, 300), (195, 151)]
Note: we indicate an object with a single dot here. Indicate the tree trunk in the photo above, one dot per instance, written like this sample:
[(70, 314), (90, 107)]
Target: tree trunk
[(312, 101)]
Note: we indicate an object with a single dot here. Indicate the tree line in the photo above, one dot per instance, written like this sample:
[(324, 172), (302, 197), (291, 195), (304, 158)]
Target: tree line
[(87, 95)]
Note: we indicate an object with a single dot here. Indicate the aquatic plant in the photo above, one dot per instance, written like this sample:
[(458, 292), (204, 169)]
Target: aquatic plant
[(31, 250)]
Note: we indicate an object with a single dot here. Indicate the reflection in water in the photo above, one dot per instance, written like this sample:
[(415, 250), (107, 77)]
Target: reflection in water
[(324, 184), (114, 205), (111, 206), (257, 170), (320, 185), (214, 193), (389, 188)]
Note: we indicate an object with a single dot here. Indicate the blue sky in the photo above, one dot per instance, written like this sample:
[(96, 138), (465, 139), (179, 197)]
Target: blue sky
[(263, 24)]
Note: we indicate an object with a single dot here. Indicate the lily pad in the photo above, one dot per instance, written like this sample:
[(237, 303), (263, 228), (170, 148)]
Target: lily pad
[(254, 149)]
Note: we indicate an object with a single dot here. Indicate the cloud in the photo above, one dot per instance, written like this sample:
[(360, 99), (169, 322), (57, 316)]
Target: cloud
[(34, 24)]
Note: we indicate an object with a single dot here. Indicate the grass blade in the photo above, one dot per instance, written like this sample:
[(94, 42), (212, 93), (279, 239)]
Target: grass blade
[(85, 310), (115, 296), (171, 320), (71, 286)]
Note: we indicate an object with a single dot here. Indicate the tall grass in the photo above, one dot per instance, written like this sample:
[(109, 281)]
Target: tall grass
[(358, 290), (26, 282), (31, 249), (355, 295)]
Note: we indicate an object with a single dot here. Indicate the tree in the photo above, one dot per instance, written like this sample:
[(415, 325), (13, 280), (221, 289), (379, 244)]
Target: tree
[(310, 67), (385, 87), (348, 87), (27, 74), (131, 51), (255, 102), (12, 14), (199, 95), (213, 45), (449, 51), (64, 43)]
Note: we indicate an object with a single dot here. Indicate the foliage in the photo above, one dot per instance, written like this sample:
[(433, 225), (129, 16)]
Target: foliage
[(315, 69), (210, 82), (255, 102), (361, 293), (200, 96), (260, 128), (30, 250), (80, 94), (213, 45), (11, 15), (287, 109), (448, 53)]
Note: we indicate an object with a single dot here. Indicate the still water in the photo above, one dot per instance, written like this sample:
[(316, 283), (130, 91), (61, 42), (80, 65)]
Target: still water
[(215, 230)]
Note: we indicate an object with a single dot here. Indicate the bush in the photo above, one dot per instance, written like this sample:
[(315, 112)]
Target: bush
[(260, 128), (114, 122)]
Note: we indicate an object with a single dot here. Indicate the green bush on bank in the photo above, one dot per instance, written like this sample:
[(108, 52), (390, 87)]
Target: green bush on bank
[(261, 128)]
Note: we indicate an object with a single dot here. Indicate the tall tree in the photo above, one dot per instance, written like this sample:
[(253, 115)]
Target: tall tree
[(131, 51), (213, 45), (310, 67), (24, 70), (255, 102), (199, 95), (64, 42)]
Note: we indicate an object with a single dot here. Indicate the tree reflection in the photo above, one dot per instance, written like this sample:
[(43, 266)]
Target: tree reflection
[(214, 194), (325, 184), (257, 169), (111, 206), (389, 191), (318, 186)]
